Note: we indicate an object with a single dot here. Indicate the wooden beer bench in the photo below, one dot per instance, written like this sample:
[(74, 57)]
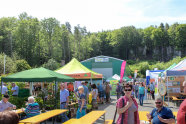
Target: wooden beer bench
[(19, 111), (108, 122), (88, 118), (143, 117), (42, 117), (176, 99)]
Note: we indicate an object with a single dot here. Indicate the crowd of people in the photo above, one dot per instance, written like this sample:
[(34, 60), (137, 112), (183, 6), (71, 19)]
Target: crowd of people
[(138, 90), (14, 90), (127, 104)]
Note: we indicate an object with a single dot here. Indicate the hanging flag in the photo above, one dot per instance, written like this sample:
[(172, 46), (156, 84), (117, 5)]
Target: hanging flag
[(122, 70)]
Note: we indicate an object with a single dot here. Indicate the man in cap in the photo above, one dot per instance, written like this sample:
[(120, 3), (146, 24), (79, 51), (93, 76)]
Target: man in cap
[(5, 105)]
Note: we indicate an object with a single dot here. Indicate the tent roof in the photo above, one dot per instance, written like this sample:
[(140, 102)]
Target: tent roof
[(75, 67), (117, 77), (178, 70), (172, 66), (180, 66), (37, 75)]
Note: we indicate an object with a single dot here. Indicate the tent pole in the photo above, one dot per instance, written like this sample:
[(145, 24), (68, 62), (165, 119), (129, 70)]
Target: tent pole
[(55, 91), (167, 91), (30, 84)]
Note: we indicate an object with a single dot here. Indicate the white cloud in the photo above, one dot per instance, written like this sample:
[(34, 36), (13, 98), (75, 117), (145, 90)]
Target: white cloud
[(96, 15)]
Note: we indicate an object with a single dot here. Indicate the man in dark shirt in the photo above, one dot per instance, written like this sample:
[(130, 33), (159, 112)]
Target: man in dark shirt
[(161, 114)]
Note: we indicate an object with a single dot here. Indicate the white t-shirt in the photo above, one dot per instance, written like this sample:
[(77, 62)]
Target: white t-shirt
[(96, 93), (4, 90)]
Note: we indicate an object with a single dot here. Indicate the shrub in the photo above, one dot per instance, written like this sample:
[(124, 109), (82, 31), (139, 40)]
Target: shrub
[(51, 64), (22, 65)]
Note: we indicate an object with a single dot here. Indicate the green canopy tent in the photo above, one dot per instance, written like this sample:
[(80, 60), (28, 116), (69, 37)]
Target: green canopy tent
[(37, 75)]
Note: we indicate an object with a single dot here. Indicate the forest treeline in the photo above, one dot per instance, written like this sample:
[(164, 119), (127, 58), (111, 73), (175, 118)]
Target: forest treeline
[(37, 41)]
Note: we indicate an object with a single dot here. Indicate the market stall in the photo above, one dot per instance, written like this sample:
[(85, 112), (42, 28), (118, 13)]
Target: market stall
[(37, 75), (175, 78), (78, 71)]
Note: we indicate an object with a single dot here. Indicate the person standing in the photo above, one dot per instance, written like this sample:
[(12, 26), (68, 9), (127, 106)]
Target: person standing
[(141, 93), (4, 89), (86, 92), (161, 114), (15, 89), (152, 89), (101, 93), (64, 100), (94, 96), (107, 91), (136, 87), (5, 105), (148, 92), (118, 90), (127, 108), (81, 103)]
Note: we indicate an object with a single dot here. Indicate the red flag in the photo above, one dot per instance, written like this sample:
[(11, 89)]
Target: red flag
[(122, 70)]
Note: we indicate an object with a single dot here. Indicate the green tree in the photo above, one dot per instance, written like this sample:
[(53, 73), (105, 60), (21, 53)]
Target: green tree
[(10, 66), (181, 38)]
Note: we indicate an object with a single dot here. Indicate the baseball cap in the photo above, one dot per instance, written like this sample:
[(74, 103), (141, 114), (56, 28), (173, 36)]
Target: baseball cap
[(82, 82), (6, 96)]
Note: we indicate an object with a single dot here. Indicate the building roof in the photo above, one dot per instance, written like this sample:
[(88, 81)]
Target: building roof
[(102, 56)]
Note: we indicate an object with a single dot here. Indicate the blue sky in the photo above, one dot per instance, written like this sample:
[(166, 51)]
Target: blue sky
[(98, 15)]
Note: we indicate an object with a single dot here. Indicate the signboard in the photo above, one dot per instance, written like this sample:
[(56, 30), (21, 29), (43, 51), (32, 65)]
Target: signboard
[(162, 89), (101, 59)]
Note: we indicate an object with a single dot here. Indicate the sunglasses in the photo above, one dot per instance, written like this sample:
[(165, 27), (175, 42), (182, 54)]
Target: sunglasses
[(128, 89), (157, 102)]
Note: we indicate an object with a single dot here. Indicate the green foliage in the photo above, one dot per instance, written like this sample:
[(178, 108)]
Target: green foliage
[(37, 42), (22, 65), (18, 101), (51, 64), (150, 65)]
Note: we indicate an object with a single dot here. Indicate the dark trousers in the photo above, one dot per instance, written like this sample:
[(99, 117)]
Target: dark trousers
[(107, 97), (152, 93), (141, 99)]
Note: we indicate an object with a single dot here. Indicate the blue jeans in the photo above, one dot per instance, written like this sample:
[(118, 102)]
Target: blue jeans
[(136, 93), (118, 95), (141, 99), (80, 114), (64, 116)]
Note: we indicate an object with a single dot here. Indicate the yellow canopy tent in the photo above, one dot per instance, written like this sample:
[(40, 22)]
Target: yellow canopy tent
[(76, 70)]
